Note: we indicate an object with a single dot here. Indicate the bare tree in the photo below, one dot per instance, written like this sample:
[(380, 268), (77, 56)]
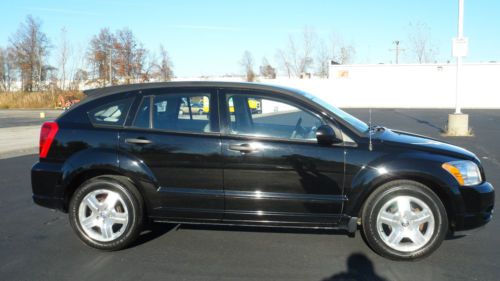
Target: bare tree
[(297, 58), (284, 62), (266, 70), (419, 38), (7, 69), (305, 58), (31, 47), (346, 55), (64, 50), (335, 50), (247, 63), (165, 66), (323, 57), (77, 68)]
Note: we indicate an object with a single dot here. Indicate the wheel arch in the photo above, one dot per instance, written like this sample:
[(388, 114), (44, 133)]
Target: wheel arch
[(445, 193), (83, 166)]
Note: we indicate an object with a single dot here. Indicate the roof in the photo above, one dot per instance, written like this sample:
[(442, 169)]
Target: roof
[(99, 92)]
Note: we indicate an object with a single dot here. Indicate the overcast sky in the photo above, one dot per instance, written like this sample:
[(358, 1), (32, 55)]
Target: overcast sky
[(209, 37)]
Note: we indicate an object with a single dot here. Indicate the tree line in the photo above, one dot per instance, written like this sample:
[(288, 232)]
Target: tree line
[(308, 54), (119, 57), (304, 54), (110, 58)]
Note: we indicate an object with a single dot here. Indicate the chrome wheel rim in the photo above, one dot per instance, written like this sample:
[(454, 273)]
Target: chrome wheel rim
[(103, 215), (405, 223)]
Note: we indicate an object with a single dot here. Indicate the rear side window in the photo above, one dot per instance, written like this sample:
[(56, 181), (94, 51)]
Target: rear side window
[(176, 112), (113, 113)]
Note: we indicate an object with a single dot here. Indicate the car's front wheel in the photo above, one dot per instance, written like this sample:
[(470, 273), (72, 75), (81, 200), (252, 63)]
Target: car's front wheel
[(106, 212), (404, 220)]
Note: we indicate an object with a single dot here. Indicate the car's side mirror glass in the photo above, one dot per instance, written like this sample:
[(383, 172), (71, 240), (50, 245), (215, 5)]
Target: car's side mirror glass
[(326, 135)]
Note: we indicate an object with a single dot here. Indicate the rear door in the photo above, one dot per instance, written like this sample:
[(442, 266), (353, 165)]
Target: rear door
[(180, 145)]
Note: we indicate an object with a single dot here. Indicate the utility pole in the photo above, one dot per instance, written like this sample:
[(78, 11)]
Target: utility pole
[(397, 50)]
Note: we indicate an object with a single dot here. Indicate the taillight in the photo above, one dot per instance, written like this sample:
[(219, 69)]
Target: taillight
[(47, 134)]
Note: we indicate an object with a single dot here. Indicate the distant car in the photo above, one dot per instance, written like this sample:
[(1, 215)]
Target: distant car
[(194, 108), (128, 154)]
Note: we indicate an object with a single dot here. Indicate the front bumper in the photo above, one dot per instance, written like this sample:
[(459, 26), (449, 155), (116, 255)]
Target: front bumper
[(45, 182), (478, 202)]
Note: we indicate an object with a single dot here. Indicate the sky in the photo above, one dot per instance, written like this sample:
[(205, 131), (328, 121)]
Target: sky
[(209, 37)]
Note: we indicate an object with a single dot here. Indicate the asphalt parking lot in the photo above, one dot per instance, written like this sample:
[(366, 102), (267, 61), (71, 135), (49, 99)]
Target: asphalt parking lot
[(20, 117), (38, 243)]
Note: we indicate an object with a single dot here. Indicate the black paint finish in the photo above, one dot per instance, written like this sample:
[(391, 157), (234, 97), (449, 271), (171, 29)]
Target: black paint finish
[(208, 177)]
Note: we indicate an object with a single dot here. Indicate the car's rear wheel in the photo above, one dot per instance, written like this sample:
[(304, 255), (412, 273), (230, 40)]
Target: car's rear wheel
[(404, 220), (106, 212)]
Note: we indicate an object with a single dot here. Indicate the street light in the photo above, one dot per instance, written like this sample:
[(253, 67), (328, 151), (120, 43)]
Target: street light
[(458, 123)]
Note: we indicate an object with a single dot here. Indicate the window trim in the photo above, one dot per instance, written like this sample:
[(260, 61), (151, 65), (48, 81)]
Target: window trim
[(225, 118)]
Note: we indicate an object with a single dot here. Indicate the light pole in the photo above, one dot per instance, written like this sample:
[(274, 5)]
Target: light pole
[(458, 123), (110, 67), (460, 37)]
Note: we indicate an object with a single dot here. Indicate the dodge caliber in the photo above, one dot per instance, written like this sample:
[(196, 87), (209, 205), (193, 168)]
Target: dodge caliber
[(130, 155)]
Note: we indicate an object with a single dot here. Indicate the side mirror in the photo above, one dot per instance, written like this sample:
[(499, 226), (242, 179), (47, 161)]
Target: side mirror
[(326, 135)]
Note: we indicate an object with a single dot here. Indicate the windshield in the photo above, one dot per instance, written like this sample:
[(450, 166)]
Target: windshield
[(359, 125)]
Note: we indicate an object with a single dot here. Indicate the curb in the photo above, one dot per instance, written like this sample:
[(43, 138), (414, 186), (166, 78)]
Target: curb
[(18, 152)]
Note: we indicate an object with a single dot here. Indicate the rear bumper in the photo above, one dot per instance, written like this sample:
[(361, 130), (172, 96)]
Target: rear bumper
[(49, 202), (479, 202), (45, 183)]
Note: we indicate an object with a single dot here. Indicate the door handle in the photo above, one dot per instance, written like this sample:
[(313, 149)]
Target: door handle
[(138, 141), (244, 148)]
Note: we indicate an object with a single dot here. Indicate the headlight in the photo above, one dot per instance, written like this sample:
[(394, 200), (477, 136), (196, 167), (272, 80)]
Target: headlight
[(465, 172)]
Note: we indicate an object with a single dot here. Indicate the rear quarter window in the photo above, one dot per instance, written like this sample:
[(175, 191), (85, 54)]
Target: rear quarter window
[(113, 113)]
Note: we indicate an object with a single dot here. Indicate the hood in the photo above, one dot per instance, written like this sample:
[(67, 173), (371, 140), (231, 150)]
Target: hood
[(423, 143)]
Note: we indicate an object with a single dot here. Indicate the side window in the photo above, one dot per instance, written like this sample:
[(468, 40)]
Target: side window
[(142, 117), (175, 112), (261, 116), (113, 113)]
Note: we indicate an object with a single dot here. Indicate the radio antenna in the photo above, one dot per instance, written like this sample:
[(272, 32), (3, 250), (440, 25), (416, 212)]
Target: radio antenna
[(370, 147)]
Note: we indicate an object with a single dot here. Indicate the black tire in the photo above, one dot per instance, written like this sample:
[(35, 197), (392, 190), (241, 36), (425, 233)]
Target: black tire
[(384, 194), (130, 196)]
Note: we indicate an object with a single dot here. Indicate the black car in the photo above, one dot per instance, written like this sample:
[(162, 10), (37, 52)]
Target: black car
[(127, 156)]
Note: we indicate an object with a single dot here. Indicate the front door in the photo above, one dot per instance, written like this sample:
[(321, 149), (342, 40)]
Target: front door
[(176, 135), (274, 169)]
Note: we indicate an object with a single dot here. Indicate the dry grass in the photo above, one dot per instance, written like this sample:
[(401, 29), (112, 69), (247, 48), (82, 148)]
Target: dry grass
[(35, 99)]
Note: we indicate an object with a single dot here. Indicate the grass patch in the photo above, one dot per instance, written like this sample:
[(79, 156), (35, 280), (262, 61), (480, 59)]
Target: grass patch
[(12, 100)]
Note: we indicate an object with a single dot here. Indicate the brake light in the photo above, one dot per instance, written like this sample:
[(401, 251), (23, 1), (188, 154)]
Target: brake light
[(47, 134)]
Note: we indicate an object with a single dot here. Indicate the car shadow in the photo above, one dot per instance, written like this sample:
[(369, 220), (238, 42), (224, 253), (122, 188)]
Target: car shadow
[(453, 236), (153, 231), (359, 267)]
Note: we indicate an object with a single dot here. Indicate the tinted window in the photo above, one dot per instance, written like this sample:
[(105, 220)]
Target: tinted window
[(175, 112), (359, 125), (259, 116), (113, 113), (143, 113)]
